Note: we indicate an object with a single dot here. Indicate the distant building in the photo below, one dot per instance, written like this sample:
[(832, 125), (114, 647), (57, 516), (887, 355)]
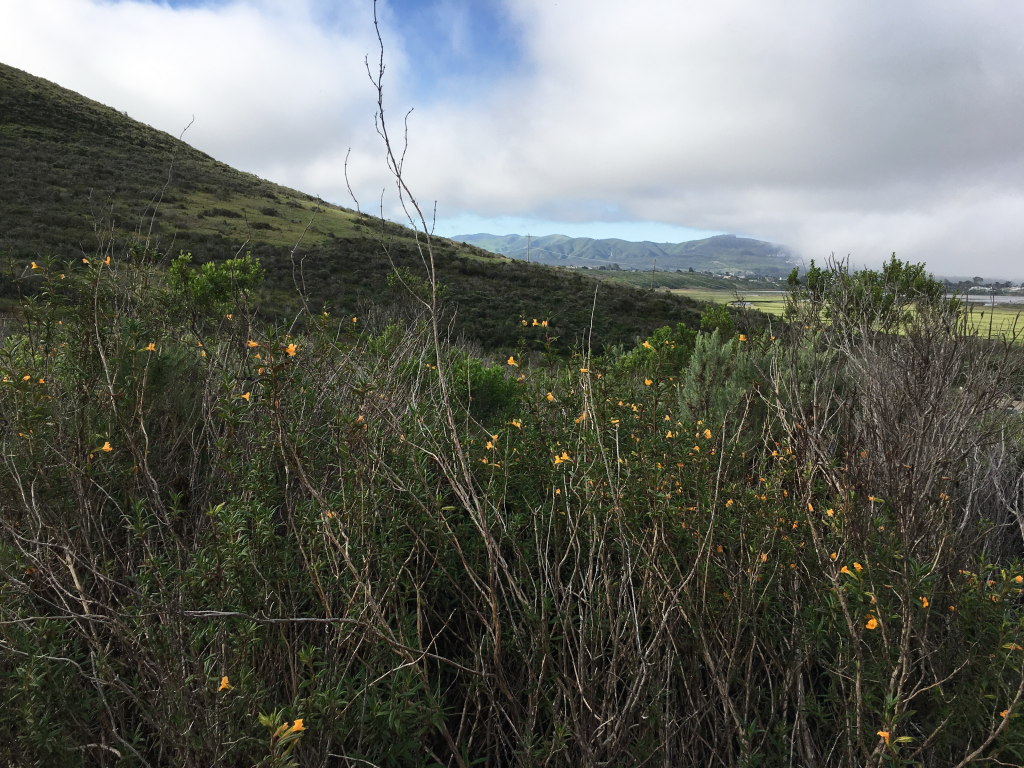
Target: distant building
[(741, 304)]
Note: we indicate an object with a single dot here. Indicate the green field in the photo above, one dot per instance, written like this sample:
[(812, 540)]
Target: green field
[(771, 302), (1001, 319), (997, 320)]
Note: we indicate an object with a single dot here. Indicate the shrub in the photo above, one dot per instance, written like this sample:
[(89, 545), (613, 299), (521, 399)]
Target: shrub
[(225, 542)]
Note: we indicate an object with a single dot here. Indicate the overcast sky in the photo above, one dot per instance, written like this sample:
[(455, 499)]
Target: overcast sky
[(861, 127)]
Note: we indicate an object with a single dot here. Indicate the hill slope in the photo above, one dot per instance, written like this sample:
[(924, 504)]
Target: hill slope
[(714, 254), (80, 177)]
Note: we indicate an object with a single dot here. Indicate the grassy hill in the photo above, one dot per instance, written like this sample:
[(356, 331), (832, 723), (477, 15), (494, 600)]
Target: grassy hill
[(228, 543), (80, 178), (722, 253)]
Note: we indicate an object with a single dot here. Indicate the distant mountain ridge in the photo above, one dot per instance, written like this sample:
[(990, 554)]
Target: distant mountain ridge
[(721, 253)]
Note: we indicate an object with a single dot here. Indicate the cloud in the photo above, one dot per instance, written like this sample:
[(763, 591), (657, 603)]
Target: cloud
[(272, 84), (855, 126), (858, 128)]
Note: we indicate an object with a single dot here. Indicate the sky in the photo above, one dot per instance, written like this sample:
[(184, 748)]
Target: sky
[(853, 127)]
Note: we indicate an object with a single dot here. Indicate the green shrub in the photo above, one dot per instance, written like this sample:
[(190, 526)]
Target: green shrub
[(212, 530)]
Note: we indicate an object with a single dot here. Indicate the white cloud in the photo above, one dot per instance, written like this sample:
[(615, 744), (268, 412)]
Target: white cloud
[(854, 126), (272, 88), (858, 128)]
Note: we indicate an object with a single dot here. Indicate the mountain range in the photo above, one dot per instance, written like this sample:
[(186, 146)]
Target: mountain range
[(719, 254)]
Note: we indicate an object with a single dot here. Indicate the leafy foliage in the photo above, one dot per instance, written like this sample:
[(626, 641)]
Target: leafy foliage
[(222, 543)]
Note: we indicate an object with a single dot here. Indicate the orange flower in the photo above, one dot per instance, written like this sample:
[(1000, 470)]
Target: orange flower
[(884, 735), (830, 513), (1004, 713), (224, 684), (245, 396), (872, 624), (106, 447), (834, 555), (648, 382), (535, 323), (924, 602), (544, 323), (253, 343), (858, 567), (512, 360), (728, 503), (707, 434), (742, 337), (810, 507), (764, 557), (354, 320), (298, 726), (151, 347), (647, 344), (550, 397), (291, 349), (845, 570), (34, 265)]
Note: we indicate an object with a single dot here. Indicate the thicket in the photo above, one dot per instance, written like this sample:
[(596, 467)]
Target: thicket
[(223, 542)]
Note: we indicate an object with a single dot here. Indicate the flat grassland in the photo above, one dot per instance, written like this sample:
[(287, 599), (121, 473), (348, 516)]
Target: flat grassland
[(1000, 319), (772, 302)]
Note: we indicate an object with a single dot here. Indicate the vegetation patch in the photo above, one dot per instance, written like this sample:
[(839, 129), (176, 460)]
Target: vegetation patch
[(223, 541)]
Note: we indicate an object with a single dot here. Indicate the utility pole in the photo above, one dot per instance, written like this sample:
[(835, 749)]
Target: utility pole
[(652, 273), (527, 247), (991, 313)]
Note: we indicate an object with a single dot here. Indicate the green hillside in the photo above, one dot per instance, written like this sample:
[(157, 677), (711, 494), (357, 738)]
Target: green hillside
[(81, 178), (690, 281), (718, 254)]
